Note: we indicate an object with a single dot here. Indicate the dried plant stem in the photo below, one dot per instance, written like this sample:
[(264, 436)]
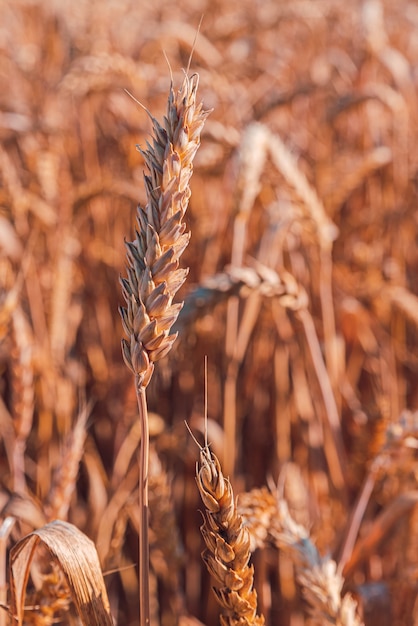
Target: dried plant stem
[(337, 455), (144, 604), (24, 396), (381, 526), (252, 156), (288, 166), (356, 517), (328, 314), (5, 530), (230, 399)]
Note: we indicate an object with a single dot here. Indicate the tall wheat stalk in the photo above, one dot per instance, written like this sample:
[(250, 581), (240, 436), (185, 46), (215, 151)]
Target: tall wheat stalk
[(153, 273)]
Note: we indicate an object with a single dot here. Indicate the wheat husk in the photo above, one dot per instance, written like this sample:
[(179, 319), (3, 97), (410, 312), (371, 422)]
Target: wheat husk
[(154, 276), (227, 541), (269, 522)]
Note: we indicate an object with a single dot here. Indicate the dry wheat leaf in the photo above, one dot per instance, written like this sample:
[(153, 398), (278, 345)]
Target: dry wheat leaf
[(77, 556)]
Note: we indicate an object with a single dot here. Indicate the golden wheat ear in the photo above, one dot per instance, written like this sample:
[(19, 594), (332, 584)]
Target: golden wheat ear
[(153, 273), (227, 540)]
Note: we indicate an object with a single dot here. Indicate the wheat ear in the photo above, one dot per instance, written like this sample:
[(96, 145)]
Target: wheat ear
[(153, 257), (268, 520), (153, 274), (227, 541), (319, 577)]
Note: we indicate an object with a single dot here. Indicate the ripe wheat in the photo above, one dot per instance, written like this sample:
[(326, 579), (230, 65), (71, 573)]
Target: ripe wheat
[(227, 546), (153, 257)]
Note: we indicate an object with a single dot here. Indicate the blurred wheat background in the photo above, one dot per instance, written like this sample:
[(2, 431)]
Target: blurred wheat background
[(302, 292)]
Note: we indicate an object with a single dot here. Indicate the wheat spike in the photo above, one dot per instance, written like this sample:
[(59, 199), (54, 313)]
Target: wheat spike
[(258, 508), (153, 257), (318, 576), (269, 521), (243, 282), (227, 545), (51, 602)]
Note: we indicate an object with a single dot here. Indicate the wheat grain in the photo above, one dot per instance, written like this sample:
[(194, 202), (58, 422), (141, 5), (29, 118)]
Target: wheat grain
[(51, 602), (227, 541), (153, 257), (321, 582), (242, 282), (268, 521), (258, 509)]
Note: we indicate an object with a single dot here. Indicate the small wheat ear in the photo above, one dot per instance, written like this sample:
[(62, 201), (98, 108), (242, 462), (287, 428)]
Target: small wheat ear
[(227, 540)]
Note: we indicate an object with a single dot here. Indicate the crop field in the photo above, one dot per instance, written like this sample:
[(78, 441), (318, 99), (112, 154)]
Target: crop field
[(248, 454)]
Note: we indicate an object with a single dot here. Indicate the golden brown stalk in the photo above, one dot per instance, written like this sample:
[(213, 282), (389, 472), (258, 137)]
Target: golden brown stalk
[(327, 233), (252, 156), (22, 394), (154, 276), (227, 545)]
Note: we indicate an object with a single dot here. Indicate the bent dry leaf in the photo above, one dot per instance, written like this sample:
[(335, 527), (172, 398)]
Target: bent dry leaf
[(77, 557)]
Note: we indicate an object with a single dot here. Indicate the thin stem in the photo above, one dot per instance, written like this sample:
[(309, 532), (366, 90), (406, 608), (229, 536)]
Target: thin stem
[(328, 315), (5, 530), (144, 607), (339, 459), (355, 519), (230, 417)]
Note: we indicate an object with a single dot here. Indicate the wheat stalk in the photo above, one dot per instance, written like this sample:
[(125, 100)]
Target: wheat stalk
[(243, 282), (227, 545), (153, 270)]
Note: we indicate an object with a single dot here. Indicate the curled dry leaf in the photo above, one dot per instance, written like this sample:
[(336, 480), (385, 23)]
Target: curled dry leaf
[(77, 556)]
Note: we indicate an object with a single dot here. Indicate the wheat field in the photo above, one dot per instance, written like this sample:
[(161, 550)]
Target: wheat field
[(296, 501)]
